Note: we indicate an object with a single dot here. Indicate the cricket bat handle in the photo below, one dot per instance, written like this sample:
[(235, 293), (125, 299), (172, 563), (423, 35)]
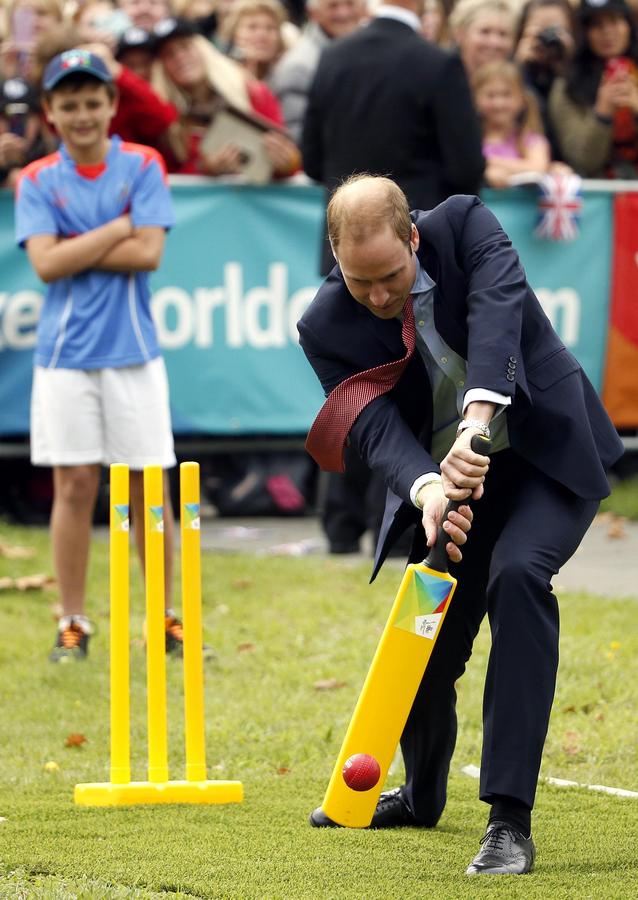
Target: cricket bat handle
[(437, 558)]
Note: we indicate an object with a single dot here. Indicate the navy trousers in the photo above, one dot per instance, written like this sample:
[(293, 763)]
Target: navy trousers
[(525, 527)]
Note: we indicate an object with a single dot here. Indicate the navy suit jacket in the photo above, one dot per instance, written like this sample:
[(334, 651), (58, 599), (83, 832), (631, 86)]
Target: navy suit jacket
[(486, 311)]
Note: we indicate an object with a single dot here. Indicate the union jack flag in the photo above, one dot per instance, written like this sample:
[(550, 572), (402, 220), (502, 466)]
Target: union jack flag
[(559, 206)]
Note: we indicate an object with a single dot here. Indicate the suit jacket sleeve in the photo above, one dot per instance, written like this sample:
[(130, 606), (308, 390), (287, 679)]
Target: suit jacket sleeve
[(311, 138), (458, 129), (497, 291)]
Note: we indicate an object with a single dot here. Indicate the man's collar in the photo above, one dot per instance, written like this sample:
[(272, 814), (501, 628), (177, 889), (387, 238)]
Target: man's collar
[(422, 281), (390, 11)]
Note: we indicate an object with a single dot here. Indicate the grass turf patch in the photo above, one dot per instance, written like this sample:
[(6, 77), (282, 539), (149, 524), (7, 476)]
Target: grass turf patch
[(623, 500), (280, 626)]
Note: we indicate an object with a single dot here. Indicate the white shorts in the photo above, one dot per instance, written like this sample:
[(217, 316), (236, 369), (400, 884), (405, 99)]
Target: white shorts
[(79, 416)]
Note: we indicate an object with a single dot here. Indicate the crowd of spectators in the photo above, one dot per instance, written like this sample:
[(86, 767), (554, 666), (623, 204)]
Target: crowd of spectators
[(552, 81)]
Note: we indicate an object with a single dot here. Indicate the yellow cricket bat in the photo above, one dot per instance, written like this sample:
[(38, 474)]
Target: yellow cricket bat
[(401, 657)]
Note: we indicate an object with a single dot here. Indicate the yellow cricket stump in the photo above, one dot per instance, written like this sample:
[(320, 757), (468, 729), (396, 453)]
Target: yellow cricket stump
[(121, 791)]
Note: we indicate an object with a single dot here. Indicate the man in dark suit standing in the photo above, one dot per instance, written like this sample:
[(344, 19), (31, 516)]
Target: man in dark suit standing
[(388, 102), (444, 292)]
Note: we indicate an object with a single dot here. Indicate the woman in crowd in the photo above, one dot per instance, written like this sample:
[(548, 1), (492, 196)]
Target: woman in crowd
[(594, 109), (544, 45), (434, 25), (199, 80), (24, 136), (483, 31), (513, 139), (254, 33), (100, 22), (26, 21)]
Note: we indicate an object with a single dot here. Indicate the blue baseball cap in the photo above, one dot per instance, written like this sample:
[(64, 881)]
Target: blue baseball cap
[(71, 62)]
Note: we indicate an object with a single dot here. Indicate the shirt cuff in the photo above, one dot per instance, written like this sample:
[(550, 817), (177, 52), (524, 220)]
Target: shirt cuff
[(475, 395), (420, 481)]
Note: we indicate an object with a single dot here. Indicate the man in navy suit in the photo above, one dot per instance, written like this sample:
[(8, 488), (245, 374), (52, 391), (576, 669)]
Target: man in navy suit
[(487, 361)]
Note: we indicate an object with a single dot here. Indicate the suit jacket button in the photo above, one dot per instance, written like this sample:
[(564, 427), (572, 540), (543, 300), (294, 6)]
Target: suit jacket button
[(512, 359), (510, 377)]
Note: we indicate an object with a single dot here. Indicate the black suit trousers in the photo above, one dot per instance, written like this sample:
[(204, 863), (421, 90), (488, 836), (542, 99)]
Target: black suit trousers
[(526, 526)]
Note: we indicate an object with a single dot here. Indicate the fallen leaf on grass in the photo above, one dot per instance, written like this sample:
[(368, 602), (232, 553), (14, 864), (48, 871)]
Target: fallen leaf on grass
[(617, 528), (241, 583), (246, 648), (33, 582), (282, 770), (3, 819), (571, 745), (74, 740), (16, 551), (26, 582), (51, 766), (328, 684)]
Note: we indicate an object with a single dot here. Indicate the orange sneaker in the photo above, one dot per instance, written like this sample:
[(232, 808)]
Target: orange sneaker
[(72, 642)]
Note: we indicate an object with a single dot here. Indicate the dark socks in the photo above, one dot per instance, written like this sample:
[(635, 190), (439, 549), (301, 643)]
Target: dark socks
[(515, 813)]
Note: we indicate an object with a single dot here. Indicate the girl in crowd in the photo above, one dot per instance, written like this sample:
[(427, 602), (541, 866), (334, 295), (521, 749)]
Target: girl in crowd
[(593, 110), (513, 139), (483, 31), (199, 80), (544, 45), (254, 33)]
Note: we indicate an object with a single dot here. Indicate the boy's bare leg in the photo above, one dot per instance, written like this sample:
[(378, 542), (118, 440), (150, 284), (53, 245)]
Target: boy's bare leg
[(137, 510), (75, 491)]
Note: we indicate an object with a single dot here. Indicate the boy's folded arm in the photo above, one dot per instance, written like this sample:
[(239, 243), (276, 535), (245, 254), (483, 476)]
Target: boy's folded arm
[(53, 257), (142, 252)]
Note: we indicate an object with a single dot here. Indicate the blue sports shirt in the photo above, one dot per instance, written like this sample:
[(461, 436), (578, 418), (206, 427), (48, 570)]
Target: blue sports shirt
[(95, 319)]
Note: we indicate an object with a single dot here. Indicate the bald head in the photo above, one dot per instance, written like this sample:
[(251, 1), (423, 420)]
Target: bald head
[(365, 205)]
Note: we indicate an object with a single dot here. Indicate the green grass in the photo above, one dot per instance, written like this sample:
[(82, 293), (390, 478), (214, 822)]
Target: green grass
[(624, 499), (306, 619)]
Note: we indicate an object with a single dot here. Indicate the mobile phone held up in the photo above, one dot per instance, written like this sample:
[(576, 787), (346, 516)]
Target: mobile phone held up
[(620, 65)]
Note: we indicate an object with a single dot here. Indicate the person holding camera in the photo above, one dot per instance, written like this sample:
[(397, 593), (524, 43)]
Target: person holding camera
[(544, 44), (22, 135), (594, 108)]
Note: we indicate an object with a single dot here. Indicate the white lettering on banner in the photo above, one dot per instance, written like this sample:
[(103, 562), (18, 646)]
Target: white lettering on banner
[(206, 301), (262, 317), (180, 302), (19, 314), (563, 308)]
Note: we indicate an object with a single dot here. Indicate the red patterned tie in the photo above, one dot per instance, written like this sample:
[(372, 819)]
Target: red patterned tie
[(327, 436)]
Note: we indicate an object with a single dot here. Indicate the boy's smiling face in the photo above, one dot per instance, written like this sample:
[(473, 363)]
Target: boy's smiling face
[(81, 116)]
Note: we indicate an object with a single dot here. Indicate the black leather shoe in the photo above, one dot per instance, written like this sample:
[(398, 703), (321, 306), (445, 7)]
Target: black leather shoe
[(504, 851), (392, 811)]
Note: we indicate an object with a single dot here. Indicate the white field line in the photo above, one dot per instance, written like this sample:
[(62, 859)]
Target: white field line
[(474, 772)]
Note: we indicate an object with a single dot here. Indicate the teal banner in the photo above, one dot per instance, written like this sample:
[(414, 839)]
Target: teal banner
[(239, 269)]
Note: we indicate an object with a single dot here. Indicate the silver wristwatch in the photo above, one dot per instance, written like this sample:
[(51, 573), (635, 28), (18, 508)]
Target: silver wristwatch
[(473, 423)]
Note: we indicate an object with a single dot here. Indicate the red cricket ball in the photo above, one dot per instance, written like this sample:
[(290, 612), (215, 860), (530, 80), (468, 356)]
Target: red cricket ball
[(361, 772)]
